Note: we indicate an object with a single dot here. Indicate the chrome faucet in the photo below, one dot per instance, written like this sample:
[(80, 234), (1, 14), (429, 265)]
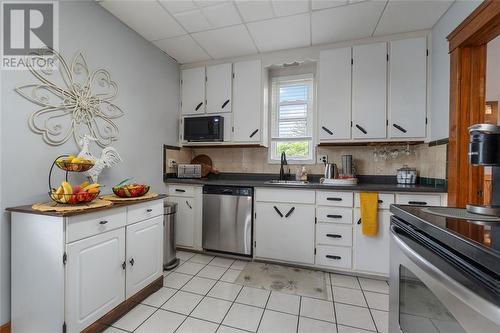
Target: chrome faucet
[(282, 169)]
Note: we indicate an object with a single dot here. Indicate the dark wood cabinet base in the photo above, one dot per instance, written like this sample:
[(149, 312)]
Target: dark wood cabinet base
[(108, 319)]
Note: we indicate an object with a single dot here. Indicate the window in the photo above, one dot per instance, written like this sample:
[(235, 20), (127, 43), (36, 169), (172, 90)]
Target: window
[(292, 118)]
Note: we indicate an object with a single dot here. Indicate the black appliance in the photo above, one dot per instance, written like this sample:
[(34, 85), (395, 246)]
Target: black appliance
[(204, 129)]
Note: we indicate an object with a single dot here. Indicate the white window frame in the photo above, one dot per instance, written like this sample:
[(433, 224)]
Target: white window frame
[(275, 82)]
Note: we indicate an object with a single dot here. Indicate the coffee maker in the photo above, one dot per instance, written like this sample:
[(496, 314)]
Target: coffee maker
[(484, 150)]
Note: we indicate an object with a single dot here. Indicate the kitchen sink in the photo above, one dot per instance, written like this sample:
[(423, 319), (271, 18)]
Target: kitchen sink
[(287, 182)]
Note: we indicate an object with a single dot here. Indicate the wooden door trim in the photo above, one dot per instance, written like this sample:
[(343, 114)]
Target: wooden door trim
[(5, 328)]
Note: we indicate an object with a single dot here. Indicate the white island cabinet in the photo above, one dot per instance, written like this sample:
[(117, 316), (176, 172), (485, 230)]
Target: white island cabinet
[(70, 270)]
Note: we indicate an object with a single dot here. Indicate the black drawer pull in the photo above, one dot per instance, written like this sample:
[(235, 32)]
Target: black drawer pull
[(334, 216), (124, 264), (359, 221), (224, 104), (278, 211), (333, 236), (361, 129), (290, 212), (149, 210), (334, 199), (198, 106), (254, 132), (420, 203), (132, 261), (380, 201), (326, 130), (103, 222), (187, 203), (399, 128), (333, 257), (179, 190)]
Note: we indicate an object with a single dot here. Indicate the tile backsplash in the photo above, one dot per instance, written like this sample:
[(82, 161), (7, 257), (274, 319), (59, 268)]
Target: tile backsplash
[(429, 161)]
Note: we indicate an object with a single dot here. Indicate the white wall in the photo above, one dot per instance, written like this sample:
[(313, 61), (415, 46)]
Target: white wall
[(148, 94), (440, 60), (493, 70)]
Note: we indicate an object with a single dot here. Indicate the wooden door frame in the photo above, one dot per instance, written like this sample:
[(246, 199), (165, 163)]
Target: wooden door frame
[(467, 48)]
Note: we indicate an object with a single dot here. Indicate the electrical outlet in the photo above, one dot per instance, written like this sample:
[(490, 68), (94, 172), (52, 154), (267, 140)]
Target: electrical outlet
[(322, 158), (171, 163)]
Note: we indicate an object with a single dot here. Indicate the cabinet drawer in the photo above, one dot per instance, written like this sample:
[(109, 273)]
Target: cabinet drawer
[(140, 212), (86, 225), (334, 256), (419, 199), (334, 214), (332, 234), (285, 195), (181, 190), (340, 199), (385, 200)]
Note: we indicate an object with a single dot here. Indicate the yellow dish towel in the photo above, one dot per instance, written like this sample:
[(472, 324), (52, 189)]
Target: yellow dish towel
[(369, 206)]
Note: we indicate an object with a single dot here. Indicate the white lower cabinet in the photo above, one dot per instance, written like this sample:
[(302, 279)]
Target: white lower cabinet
[(285, 232), (334, 256), (95, 278)]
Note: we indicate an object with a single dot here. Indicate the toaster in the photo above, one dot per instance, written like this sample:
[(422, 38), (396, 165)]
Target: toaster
[(189, 171)]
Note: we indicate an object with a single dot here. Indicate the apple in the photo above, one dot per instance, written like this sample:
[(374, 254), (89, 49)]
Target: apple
[(77, 189)]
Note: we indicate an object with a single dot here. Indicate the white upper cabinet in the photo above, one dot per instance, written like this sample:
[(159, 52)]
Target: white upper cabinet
[(219, 83), (193, 91), (407, 88), (369, 87), (247, 101), (334, 96)]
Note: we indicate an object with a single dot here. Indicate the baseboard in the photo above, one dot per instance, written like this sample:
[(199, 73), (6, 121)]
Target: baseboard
[(5, 328)]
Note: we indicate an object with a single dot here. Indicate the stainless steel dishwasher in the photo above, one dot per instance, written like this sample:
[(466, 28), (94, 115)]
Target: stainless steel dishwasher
[(227, 219)]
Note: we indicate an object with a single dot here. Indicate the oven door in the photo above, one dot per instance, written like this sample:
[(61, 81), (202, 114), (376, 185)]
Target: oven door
[(425, 295)]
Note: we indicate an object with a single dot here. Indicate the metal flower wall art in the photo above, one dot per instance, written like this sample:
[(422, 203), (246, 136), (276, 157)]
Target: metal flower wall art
[(74, 101)]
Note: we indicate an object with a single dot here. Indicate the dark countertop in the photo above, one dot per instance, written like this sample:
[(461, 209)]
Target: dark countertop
[(367, 183), (28, 210)]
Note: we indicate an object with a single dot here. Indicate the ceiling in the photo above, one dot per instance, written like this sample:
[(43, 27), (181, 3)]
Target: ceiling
[(192, 31)]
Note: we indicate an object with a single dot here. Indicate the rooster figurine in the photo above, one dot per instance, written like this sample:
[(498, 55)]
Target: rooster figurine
[(109, 157)]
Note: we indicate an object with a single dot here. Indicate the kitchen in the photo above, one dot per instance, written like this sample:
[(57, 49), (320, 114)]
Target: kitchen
[(271, 149)]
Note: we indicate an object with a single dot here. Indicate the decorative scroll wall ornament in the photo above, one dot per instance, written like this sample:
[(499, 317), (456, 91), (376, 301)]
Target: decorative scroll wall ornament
[(79, 103), (109, 158)]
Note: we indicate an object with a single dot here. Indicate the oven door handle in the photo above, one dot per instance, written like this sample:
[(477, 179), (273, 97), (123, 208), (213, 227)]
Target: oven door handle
[(472, 300)]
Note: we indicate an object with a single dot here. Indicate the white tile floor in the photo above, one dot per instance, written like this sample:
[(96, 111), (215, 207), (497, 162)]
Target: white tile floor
[(200, 296)]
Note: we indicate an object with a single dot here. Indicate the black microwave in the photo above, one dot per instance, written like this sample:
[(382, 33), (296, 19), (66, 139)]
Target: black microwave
[(204, 129)]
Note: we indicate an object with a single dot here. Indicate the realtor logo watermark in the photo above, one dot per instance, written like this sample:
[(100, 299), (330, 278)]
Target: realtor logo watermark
[(29, 32)]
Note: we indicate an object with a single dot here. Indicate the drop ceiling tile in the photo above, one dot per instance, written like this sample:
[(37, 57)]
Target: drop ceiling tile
[(226, 42), (323, 4), (404, 16), (183, 49), (346, 22), (290, 7), (222, 15), (193, 21), (177, 6), (205, 3), (287, 32), (148, 18), (255, 10)]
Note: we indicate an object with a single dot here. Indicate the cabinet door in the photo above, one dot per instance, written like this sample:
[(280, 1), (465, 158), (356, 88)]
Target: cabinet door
[(408, 88), (219, 83), (369, 87), (184, 227), (371, 254), (193, 91), (144, 254), (285, 238), (247, 101), (95, 278), (334, 95)]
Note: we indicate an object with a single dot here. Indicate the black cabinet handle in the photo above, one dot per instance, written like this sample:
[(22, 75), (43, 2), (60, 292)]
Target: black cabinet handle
[(421, 203), (380, 201), (149, 210), (333, 236), (361, 129), (254, 132), (333, 257), (224, 104), (334, 199), (103, 222), (278, 211), (326, 130), (187, 203), (179, 190), (198, 106), (124, 264), (132, 261), (399, 128), (290, 212), (359, 221), (334, 216)]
